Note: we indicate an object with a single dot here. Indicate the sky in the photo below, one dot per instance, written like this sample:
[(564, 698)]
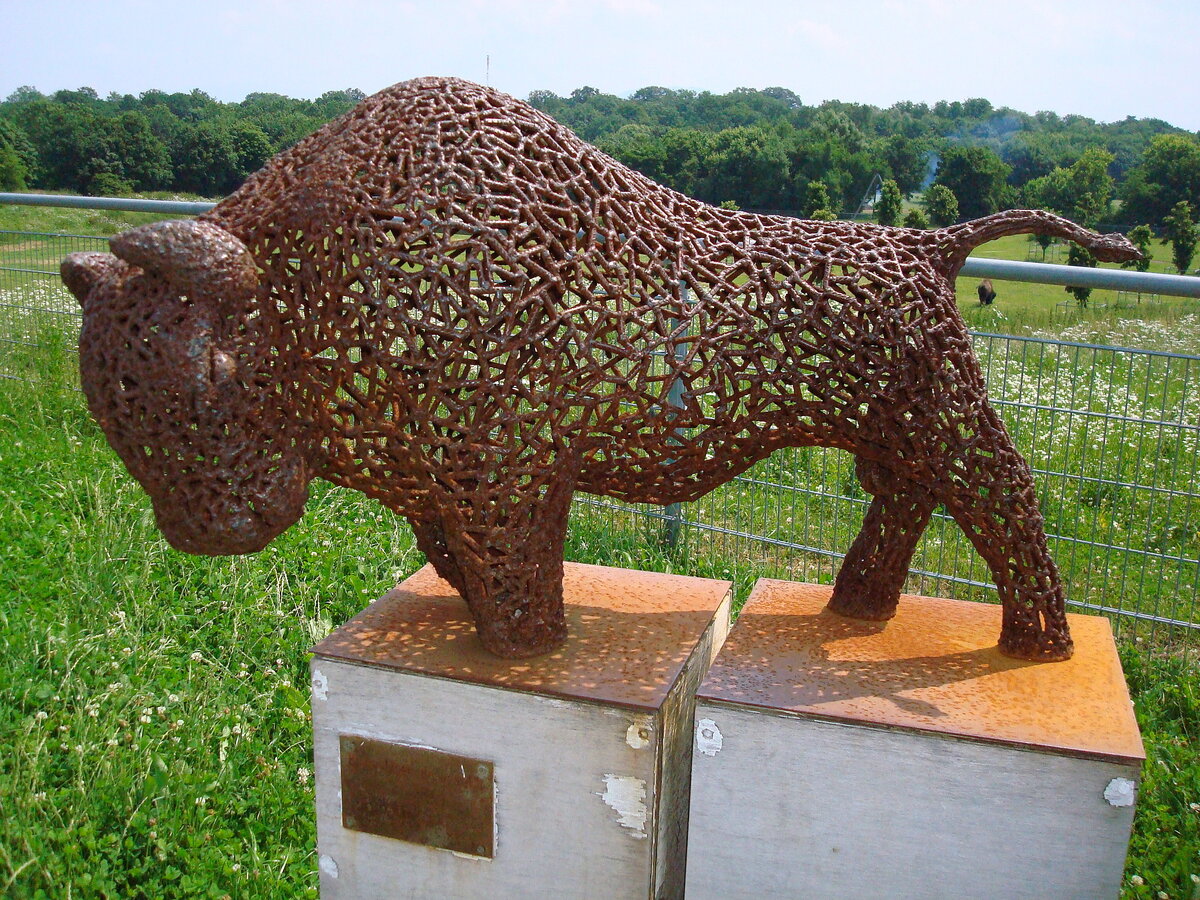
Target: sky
[(1101, 59)]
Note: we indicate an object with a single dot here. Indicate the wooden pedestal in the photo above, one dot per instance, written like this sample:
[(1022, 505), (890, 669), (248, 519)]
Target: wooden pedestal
[(840, 758), (443, 771)]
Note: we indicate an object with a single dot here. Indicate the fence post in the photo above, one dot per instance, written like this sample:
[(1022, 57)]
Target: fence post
[(674, 511)]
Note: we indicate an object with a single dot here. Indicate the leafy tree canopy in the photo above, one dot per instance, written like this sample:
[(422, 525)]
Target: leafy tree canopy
[(1143, 238), (1181, 231), (977, 176), (942, 205), (759, 148), (1169, 174), (890, 203)]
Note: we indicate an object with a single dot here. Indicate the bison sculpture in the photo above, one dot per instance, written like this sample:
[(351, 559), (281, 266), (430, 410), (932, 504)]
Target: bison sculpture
[(446, 300)]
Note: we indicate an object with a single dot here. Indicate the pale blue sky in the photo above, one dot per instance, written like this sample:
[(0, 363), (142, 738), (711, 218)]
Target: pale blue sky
[(1096, 58)]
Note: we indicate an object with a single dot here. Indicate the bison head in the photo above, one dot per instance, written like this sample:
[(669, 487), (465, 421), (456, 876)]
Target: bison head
[(178, 372)]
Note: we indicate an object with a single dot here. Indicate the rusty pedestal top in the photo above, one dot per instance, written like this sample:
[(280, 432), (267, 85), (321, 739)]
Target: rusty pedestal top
[(630, 634), (934, 667)]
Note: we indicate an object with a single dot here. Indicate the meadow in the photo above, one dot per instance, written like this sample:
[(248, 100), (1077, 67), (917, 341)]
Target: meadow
[(154, 706)]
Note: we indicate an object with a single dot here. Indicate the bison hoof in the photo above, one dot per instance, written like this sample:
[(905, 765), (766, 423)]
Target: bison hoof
[(501, 639), (859, 606), (1038, 648)]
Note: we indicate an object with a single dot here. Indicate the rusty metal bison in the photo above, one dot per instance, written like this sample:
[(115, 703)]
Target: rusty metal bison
[(447, 301)]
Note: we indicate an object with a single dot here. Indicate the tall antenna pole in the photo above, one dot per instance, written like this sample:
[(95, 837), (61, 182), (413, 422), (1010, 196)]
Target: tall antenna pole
[(488, 77)]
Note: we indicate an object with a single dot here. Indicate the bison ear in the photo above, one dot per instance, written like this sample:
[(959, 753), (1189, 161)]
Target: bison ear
[(83, 271), (196, 256)]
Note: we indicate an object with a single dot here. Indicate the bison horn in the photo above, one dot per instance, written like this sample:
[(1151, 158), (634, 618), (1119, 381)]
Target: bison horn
[(82, 271), (196, 256)]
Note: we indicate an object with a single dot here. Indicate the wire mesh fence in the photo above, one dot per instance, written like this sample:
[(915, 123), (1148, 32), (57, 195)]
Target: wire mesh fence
[(1113, 436), (35, 308)]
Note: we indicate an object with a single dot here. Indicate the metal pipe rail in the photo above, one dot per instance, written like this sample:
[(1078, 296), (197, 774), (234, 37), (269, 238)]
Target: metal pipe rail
[(116, 204), (975, 267), (1080, 276)]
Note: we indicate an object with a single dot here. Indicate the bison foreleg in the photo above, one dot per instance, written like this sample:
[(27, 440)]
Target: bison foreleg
[(501, 547), (869, 583), (431, 540)]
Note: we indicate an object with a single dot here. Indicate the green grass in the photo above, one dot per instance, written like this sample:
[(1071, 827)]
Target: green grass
[(154, 706), (1164, 852)]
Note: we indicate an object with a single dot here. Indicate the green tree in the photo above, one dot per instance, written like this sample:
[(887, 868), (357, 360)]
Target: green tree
[(977, 176), (332, 104), (890, 203), (144, 161), (251, 148), (817, 199), (942, 205), (748, 165), (18, 158), (836, 126), (907, 159), (1078, 256), (1142, 238), (1169, 173), (70, 141), (916, 219), (638, 147), (205, 160), (1090, 187), (107, 183), (1181, 231), (1030, 156), (12, 171), (1081, 192), (24, 94)]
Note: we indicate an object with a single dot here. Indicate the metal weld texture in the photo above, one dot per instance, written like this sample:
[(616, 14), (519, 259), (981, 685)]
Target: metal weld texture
[(448, 301)]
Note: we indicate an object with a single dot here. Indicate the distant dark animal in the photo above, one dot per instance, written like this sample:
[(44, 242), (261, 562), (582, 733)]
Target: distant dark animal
[(446, 300), (986, 292)]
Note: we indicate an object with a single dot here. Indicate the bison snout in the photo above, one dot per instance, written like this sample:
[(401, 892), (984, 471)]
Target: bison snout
[(243, 517)]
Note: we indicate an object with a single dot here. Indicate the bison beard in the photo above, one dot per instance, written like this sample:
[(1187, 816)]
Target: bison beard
[(446, 300)]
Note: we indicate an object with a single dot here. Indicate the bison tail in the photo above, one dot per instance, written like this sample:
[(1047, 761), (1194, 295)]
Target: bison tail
[(956, 242)]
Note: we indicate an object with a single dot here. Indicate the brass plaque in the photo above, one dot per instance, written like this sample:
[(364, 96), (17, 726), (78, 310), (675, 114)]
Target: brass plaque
[(418, 795)]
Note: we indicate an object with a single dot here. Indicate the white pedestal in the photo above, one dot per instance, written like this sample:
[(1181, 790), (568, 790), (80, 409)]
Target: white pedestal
[(841, 758), (445, 772)]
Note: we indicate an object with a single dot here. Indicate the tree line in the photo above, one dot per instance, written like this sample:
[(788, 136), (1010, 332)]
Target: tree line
[(190, 142), (761, 150)]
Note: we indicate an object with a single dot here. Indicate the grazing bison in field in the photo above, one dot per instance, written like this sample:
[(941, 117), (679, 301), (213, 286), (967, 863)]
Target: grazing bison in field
[(448, 301)]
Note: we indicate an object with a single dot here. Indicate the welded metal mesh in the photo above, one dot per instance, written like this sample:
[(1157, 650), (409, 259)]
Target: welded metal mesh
[(1113, 436)]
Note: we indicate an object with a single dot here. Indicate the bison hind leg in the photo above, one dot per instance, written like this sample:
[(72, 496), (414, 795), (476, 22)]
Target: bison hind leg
[(869, 582)]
